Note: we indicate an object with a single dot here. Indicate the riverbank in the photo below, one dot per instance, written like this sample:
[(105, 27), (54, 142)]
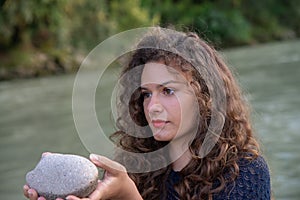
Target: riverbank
[(30, 63), (38, 38), (25, 63)]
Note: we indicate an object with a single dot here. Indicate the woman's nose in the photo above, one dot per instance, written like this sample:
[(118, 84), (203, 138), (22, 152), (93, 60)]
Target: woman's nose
[(154, 105)]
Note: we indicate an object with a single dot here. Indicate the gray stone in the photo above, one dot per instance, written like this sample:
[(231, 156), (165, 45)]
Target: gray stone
[(58, 175)]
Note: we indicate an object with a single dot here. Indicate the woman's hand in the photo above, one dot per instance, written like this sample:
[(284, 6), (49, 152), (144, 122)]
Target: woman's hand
[(116, 183), (32, 194)]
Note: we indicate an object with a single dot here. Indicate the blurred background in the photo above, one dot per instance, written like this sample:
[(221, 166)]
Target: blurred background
[(42, 44)]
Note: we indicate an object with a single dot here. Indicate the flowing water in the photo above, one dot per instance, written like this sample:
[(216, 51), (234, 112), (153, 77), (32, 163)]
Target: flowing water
[(36, 116)]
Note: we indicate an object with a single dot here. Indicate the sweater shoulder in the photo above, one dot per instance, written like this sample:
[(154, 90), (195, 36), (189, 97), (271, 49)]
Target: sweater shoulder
[(253, 181)]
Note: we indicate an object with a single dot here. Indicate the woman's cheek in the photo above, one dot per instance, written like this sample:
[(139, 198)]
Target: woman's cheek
[(174, 106)]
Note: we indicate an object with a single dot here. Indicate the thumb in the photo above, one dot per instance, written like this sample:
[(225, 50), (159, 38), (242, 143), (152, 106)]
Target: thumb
[(105, 163)]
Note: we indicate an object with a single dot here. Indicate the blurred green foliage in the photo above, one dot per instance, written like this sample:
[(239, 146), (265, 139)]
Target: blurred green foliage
[(62, 23), (231, 22), (30, 22), (59, 28)]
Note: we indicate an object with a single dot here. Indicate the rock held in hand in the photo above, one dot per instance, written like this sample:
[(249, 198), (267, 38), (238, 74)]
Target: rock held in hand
[(59, 175)]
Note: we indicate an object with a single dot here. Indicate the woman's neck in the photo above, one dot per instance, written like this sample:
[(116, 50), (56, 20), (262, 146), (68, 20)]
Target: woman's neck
[(181, 156), (182, 161)]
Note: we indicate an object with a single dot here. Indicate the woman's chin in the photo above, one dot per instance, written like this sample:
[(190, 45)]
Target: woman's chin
[(162, 136)]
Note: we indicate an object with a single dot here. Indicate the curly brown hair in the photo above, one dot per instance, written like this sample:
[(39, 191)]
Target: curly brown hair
[(191, 55)]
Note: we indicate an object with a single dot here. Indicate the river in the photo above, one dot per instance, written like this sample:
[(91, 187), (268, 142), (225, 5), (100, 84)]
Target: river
[(36, 116)]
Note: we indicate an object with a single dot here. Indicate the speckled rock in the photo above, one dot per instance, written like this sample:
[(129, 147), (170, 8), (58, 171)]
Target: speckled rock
[(58, 175)]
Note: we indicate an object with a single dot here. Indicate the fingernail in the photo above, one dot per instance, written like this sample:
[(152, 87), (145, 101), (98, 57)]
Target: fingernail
[(95, 157), (30, 192), (45, 154), (25, 187)]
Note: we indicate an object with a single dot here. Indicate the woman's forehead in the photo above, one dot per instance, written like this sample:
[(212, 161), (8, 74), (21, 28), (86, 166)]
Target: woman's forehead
[(158, 73)]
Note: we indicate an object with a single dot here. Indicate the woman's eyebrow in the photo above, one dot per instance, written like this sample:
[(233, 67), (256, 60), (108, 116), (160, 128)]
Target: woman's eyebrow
[(172, 81), (165, 83)]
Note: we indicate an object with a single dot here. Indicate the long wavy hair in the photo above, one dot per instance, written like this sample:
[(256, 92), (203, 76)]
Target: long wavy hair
[(203, 176)]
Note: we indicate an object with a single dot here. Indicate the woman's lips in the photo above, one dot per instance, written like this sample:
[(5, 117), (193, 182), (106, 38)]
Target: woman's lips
[(159, 123)]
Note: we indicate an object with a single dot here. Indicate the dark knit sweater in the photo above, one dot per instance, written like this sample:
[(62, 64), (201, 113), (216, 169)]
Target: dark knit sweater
[(253, 182)]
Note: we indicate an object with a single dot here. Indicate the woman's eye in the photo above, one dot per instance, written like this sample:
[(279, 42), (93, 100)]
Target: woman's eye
[(146, 95), (168, 91)]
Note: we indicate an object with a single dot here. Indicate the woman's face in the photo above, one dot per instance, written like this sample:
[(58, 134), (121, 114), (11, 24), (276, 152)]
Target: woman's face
[(170, 105)]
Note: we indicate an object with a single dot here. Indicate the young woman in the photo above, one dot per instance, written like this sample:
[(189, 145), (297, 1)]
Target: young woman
[(186, 107)]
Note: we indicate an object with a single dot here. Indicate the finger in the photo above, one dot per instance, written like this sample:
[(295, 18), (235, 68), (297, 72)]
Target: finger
[(25, 190), (32, 194), (107, 164), (98, 193), (72, 197), (41, 198), (45, 154)]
